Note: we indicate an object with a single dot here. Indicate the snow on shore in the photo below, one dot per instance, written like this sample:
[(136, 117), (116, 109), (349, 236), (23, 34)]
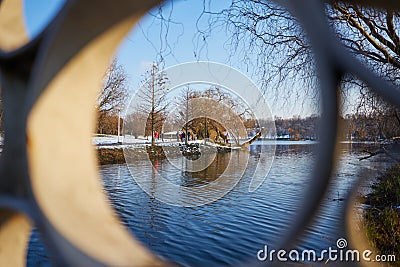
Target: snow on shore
[(113, 141)]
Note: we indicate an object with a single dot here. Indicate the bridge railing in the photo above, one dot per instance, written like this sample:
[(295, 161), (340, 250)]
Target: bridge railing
[(48, 172)]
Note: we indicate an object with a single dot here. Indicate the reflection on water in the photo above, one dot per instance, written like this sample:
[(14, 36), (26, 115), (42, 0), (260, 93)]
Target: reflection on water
[(209, 174), (239, 224)]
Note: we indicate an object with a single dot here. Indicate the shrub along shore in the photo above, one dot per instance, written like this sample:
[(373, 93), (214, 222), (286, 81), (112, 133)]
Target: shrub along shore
[(116, 155), (110, 156), (382, 215)]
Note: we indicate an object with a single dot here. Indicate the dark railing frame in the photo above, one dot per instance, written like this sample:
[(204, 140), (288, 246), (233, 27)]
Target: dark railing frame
[(35, 74)]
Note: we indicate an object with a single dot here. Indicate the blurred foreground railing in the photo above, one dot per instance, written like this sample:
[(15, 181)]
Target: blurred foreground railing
[(53, 80)]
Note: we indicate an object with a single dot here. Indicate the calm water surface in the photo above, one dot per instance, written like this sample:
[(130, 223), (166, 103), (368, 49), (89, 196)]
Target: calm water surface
[(234, 228)]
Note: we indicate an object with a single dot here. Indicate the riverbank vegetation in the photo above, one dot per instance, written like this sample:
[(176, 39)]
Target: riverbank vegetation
[(382, 216), (355, 127), (110, 156), (116, 155)]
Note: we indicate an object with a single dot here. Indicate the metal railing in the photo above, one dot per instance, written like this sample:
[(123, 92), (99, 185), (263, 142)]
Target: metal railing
[(49, 87)]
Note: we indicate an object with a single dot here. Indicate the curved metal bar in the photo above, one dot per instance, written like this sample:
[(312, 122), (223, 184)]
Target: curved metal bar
[(389, 92), (14, 236), (332, 61), (12, 25), (352, 228), (329, 76), (54, 90), (77, 223)]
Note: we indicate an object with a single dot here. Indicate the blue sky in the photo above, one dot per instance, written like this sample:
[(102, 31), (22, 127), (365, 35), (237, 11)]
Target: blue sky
[(142, 44)]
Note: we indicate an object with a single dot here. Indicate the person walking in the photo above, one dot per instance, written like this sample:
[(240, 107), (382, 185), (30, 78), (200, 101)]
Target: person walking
[(156, 135), (183, 137)]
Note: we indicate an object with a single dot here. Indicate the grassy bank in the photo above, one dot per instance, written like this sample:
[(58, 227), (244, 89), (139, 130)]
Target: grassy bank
[(110, 156), (116, 155), (382, 217)]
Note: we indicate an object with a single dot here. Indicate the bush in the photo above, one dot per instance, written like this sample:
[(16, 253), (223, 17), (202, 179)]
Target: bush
[(382, 217)]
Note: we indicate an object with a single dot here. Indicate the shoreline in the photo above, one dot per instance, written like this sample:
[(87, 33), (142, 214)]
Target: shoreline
[(113, 153), (381, 217)]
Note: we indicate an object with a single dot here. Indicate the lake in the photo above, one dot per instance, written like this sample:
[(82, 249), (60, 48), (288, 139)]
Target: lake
[(235, 227)]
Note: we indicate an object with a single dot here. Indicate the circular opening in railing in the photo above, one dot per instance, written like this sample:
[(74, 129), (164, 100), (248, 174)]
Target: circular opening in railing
[(219, 151), (197, 97), (201, 128)]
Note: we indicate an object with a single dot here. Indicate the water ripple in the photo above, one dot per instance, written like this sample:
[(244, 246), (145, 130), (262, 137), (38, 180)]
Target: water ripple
[(233, 228)]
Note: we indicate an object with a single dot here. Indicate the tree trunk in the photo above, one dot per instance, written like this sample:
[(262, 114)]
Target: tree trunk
[(153, 143), (249, 142)]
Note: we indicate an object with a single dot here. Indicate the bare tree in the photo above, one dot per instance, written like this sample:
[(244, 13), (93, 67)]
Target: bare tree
[(370, 33), (196, 107), (265, 31), (114, 91), (373, 36), (185, 112), (235, 113), (152, 103), (112, 97), (134, 124)]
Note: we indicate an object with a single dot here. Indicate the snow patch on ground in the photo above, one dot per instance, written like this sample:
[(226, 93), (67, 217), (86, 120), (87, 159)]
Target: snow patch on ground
[(113, 141)]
